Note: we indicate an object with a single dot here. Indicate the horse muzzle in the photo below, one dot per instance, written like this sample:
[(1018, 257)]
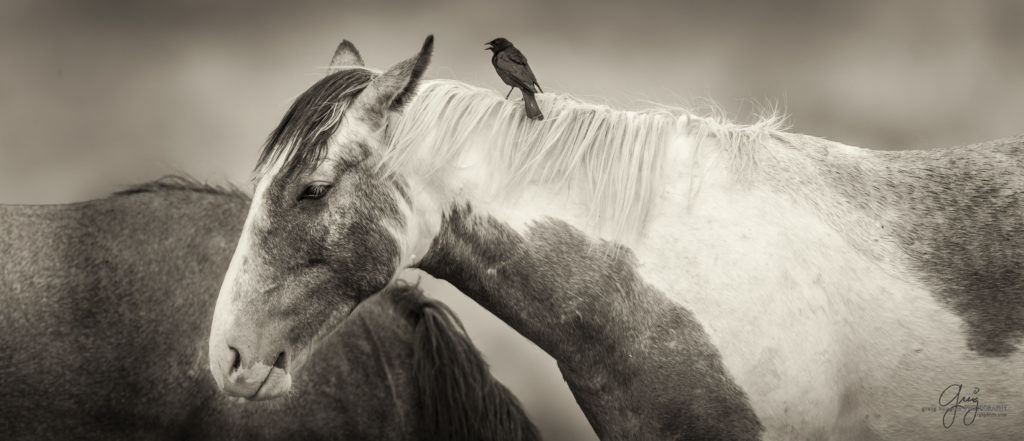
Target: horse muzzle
[(241, 370)]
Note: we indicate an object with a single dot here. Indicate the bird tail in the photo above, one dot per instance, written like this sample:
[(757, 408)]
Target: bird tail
[(532, 109)]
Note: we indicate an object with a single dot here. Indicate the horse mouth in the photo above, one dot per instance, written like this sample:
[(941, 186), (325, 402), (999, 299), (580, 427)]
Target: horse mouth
[(277, 382)]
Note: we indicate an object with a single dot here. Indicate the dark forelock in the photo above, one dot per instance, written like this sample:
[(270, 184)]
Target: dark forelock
[(303, 133)]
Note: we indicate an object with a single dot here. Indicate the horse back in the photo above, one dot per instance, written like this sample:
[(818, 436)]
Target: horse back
[(958, 216), (91, 294)]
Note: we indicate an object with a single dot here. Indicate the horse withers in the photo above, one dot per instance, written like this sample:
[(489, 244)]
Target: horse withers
[(105, 309)]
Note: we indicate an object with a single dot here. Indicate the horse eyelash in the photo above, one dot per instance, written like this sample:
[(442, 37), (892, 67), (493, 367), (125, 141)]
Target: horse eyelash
[(316, 191)]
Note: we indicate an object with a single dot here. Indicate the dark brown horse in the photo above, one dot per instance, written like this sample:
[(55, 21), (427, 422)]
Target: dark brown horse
[(105, 310)]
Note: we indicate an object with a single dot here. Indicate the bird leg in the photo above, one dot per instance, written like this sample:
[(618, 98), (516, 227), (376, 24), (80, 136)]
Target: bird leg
[(509, 92)]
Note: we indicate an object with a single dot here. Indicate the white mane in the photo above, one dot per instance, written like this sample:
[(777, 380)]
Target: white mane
[(612, 159)]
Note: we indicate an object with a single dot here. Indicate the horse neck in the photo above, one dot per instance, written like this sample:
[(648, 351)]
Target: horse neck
[(375, 361), (466, 144), (535, 258), (617, 340), (456, 396), (384, 333), (483, 240)]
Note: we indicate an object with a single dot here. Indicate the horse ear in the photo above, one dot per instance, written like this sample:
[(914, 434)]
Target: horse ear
[(394, 88), (345, 55)]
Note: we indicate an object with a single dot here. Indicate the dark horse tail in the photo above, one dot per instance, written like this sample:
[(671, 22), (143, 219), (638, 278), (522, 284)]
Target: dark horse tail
[(459, 398)]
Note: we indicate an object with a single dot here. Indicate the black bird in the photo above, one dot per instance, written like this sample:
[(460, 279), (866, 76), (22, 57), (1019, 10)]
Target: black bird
[(515, 71)]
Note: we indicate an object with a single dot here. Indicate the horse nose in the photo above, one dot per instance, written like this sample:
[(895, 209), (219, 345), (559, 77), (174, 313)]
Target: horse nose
[(245, 369), (236, 359)]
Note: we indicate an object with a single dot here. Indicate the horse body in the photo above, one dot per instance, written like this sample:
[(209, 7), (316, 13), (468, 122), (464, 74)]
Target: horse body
[(821, 316), (791, 237), (693, 278), (833, 255), (91, 291), (105, 319)]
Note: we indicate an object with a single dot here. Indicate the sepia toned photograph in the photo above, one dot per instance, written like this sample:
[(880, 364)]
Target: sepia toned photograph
[(539, 220)]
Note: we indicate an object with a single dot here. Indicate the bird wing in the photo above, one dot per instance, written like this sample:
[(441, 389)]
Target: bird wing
[(514, 63)]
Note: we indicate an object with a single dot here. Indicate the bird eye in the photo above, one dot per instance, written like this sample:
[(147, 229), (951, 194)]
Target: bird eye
[(314, 191)]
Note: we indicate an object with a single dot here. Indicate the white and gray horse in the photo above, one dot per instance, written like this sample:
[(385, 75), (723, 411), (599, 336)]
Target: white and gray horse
[(694, 278)]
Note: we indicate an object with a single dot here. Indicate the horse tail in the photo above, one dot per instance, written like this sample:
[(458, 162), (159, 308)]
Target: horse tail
[(459, 398)]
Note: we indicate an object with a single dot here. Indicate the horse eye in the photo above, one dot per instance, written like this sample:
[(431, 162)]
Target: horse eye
[(314, 191)]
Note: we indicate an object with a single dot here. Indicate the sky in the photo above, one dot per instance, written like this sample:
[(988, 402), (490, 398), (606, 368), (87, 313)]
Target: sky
[(98, 95)]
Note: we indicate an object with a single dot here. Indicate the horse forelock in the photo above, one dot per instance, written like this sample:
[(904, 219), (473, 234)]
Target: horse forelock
[(614, 159), (304, 133)]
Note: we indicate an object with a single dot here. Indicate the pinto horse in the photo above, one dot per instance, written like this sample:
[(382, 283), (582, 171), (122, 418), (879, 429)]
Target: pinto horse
[(694, 278), (105, 313)]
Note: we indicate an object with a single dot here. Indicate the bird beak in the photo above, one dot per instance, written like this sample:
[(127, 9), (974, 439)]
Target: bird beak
[(489, 47)]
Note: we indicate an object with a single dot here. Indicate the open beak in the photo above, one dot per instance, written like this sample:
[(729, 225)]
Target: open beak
[(489, 47)]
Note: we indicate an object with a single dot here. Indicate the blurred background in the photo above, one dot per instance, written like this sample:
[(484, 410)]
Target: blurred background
[(97, 95)]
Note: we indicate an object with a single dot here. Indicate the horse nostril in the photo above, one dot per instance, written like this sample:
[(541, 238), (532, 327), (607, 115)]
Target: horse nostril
[(281, 362), (237, 359)]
